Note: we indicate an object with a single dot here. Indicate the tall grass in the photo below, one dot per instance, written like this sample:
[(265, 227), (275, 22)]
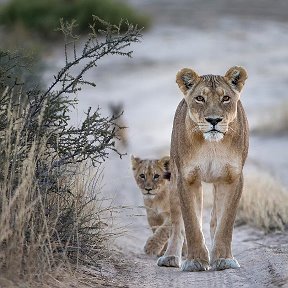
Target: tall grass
[(51, 215), (264, 203), (43, 227), (274, 122)]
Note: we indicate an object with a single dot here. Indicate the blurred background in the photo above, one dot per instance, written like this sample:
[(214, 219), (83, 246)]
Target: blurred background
[(209, 36)]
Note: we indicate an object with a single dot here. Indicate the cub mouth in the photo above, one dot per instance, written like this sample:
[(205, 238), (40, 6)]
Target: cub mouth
[(148, 193)]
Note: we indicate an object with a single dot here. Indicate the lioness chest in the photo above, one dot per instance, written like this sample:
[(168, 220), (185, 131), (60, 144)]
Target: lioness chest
[(212, 163)]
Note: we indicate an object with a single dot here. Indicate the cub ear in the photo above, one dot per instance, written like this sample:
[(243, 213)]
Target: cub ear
[(135, 161), (236, 77), (186, 79)]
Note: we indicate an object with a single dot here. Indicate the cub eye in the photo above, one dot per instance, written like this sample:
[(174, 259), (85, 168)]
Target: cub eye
[(142, 176), (226, 99), (156, 176), (199, 99)]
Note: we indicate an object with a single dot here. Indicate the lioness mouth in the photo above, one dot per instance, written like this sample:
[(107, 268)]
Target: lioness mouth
[(214, 130), (213, 135)]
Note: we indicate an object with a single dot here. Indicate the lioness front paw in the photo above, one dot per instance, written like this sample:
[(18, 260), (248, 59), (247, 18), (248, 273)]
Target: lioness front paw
[(169, 261), (194, 265), (225, 263)]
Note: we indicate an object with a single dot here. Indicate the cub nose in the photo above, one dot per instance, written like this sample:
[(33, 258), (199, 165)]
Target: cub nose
[(148, 189), (213, 121)]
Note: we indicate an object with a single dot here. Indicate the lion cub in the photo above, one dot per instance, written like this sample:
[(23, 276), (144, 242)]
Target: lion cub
[(152, 177)]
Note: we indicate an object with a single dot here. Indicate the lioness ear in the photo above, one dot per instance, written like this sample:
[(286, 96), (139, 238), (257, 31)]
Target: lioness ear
[(165, 163), (135, 161), (186, 79), (236, 77)]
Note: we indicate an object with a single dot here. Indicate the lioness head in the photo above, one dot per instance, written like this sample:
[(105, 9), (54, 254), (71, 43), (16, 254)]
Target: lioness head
[(212, 99), (150, 175)]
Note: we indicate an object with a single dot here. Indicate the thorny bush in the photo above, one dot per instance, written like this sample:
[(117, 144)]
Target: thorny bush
[(44, 208)]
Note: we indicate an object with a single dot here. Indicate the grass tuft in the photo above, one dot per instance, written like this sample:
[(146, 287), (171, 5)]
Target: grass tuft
[(43, 228), (263, 204), (273, 122)]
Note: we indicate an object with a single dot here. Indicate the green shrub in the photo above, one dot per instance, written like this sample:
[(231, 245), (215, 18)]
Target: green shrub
[(42, 16)]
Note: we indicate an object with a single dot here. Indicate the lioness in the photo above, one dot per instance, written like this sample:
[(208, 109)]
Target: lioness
[(152, 177), (209, 143)]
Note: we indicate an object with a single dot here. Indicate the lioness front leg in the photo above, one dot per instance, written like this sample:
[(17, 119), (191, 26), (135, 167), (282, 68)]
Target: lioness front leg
[(191, 200), (213, 221), (227, 198)]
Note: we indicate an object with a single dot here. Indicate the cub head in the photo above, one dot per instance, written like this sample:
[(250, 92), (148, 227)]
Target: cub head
[(212, 99), (150, 175)]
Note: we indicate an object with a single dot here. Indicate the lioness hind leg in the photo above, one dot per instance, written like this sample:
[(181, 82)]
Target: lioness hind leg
[(227, 200), (184, 249)]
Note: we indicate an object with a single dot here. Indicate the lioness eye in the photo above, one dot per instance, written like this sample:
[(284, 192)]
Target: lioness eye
[(200, 99), (142, 176), (156, 176), (225, 99)]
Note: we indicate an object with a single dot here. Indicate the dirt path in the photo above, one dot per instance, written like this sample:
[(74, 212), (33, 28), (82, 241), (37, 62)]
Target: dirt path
[(263, 259)]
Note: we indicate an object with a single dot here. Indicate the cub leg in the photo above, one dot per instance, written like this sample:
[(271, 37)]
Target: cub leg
[(227, 198), (157, 241), (154, 219), (191, 199)]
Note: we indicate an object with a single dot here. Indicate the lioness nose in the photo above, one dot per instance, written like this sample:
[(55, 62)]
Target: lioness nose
[(148, 189), (213, 121)]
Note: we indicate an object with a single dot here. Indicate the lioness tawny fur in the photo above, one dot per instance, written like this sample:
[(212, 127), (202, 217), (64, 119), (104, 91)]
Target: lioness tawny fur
[(209, 143)]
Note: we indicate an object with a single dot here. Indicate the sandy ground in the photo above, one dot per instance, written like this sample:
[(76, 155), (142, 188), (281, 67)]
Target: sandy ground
[(263, 258), (209, 36)]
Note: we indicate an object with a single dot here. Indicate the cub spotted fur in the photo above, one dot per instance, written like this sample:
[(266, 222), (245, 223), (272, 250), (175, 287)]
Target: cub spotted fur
[(152, 177), (209, 143)]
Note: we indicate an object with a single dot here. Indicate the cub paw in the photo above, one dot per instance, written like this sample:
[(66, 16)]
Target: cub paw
[(150, 248), (162, 252), (169, 261), (225, 263), (194, 265)]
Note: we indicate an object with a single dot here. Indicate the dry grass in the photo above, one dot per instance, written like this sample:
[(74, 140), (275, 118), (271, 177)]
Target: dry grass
[(48, 224), (264, 202), (273, 122), (51, 216)]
